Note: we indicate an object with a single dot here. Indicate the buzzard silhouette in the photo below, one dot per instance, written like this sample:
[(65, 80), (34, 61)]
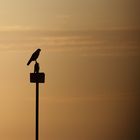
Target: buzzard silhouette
[(34, 56)]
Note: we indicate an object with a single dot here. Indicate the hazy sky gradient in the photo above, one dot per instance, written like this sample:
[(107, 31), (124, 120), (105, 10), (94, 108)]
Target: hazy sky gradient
[(70, 15), (90, 54)]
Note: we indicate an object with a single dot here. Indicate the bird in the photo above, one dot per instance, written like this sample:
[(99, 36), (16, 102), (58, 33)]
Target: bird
[(34, 56), (36, 67)]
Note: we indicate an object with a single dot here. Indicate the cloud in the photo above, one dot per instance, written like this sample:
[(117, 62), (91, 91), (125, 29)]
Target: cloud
[(87, 43), (14, 28)]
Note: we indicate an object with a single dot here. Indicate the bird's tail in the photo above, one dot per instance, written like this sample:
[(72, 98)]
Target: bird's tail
[(29, 62)]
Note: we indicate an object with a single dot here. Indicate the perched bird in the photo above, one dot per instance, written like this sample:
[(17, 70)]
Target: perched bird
[(36, 67), (34, 56)]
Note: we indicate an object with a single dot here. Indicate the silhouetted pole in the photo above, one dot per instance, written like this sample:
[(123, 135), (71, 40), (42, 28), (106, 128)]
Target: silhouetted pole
[(37, 110), (37, 78)]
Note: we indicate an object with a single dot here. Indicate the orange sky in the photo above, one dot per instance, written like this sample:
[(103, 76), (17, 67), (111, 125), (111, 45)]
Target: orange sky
[(90, 54), (70, 15)]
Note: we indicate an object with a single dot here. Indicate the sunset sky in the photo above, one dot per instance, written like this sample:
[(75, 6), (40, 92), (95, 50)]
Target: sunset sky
[(90, 55), (70, 15)]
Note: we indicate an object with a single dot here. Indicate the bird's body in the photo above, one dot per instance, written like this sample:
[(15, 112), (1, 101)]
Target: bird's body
[(34, 56)]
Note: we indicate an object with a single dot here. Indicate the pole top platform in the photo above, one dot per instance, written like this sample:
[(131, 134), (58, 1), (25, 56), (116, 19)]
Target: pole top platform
[(37, 77)]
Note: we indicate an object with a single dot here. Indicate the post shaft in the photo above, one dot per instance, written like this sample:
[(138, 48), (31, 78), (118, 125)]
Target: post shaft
[(37, 111)]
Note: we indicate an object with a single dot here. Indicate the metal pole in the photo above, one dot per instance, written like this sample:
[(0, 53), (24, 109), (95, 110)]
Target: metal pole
[(37, 111)]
